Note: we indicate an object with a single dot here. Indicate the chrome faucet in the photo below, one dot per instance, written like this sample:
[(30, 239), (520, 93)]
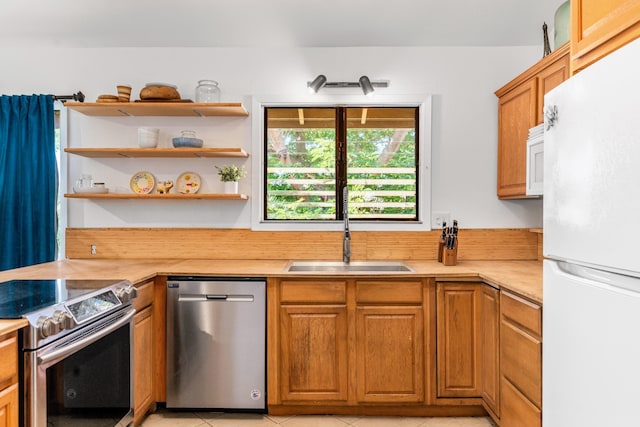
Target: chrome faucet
[(346, 243)]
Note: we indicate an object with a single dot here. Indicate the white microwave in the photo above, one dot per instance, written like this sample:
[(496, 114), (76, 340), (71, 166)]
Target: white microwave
[(535, 167)]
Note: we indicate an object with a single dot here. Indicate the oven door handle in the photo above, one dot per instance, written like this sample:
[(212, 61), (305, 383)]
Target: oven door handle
[(90, 339)]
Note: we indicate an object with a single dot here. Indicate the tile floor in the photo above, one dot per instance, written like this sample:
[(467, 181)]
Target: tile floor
[(164, 418)]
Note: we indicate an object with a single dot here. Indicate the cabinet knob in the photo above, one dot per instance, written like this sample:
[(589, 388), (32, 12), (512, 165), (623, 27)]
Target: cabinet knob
[(550, 116)]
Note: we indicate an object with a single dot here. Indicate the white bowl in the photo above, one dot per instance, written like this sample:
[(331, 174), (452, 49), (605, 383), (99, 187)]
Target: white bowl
[(99, 189), (148, 137)]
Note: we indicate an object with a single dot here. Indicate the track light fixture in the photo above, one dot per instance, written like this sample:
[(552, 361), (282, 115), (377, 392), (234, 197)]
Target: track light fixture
[(317, 83), (364, 83)]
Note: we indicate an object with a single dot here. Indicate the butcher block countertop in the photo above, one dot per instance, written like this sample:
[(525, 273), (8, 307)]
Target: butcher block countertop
[(521, 277)]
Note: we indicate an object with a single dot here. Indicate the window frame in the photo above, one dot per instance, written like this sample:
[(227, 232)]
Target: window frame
[(423, 150), (341, 164)]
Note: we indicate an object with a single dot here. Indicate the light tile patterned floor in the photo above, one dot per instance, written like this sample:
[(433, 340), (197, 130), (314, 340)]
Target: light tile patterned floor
[(164, 418)]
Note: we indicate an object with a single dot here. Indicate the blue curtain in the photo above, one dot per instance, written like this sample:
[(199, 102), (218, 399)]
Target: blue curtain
[(28, 181)]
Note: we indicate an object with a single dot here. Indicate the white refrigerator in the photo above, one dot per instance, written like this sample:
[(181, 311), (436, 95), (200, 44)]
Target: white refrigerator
[(591, 287)]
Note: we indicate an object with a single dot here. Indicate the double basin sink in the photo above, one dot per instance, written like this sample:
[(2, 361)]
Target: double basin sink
[(343, 267)]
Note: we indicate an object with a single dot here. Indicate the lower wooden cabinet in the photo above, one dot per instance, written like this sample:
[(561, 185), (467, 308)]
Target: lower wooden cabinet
[(516, 409), (390, 354), (9, 406), (143, 345), (490, 350), (313, 351), (520, 362), (346, 342), (9, 380), (459, 334), (412, 343)]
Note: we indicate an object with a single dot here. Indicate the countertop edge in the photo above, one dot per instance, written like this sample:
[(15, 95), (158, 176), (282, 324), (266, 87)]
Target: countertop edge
[(521, 277), (11, 325)]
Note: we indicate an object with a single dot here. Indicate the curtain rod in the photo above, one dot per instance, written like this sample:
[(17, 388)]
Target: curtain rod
[(76, 97)]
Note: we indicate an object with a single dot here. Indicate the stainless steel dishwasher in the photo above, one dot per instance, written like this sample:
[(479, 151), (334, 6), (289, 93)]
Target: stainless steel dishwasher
[(216, 343)]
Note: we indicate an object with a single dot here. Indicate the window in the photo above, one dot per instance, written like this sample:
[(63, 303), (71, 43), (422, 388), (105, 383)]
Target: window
[(312, 153)]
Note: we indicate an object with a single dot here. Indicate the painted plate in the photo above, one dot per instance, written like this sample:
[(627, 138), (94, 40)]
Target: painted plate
[(142, 182), (188, 183)]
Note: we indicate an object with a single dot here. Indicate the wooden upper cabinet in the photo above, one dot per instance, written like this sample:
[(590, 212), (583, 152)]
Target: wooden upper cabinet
[(599, 27), (516, 115), (548, 78), (520, 107)]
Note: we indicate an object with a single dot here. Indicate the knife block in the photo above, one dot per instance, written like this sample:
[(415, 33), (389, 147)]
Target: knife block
[(440, 249), (450, 256)]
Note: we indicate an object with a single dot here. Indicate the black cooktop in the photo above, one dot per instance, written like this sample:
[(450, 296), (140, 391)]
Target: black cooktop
[(20, 297)]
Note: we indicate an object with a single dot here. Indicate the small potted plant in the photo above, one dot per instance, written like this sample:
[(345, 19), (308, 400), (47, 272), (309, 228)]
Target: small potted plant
[(230, 175)]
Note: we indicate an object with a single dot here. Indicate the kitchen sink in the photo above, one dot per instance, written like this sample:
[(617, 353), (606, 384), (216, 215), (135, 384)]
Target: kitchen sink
[(342, 267)]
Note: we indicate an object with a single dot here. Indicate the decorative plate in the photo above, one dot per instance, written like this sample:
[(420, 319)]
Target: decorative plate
[(188, 183), (142, 182)]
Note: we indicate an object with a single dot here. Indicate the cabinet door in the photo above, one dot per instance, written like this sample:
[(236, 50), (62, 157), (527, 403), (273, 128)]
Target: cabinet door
[(516, 409), (389, 354), (600, 27), (143, 363), (459, 332), (490, 348), (313, 353), (517, 113), (9, 406), (548, 78)]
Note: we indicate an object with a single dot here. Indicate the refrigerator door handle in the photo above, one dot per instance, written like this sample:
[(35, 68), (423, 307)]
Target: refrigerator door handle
[(598, 278), (550, 116)]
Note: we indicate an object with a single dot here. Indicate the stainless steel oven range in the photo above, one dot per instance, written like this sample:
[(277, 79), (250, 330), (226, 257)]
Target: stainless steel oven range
[(77, 352)]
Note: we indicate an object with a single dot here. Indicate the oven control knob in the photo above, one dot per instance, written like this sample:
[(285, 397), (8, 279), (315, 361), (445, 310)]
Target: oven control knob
[(48, 326), (127, 294), (65, 319)]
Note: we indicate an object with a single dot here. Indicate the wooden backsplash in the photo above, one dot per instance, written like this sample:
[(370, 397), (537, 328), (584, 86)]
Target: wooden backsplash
[(211, 243)]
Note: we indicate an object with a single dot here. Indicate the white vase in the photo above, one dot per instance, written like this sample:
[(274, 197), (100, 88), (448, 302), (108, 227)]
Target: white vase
[(231, 187)]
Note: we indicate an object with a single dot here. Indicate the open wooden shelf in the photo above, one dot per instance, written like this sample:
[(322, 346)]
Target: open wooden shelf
[(179, 109), (170, 196), (157, 152)]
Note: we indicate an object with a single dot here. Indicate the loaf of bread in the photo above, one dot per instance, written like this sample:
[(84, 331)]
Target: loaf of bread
[(159, 92)]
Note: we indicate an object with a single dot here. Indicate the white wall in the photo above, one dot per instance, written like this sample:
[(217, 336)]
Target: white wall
[(462, 82)]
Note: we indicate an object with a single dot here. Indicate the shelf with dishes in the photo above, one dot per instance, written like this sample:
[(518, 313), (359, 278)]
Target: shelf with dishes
[(144, 185), (178, 109), (155, 196), (207, 152)]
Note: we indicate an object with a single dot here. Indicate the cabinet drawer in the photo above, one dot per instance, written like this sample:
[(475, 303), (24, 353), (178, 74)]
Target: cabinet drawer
[(522, 312), (145, 295), (521, 359), (313, 291), (388, 292), (8, 358), (515, 409)]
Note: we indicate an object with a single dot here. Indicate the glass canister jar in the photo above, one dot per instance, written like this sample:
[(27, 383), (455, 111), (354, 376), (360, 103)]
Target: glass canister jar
[(561, 25), (207, 91)]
